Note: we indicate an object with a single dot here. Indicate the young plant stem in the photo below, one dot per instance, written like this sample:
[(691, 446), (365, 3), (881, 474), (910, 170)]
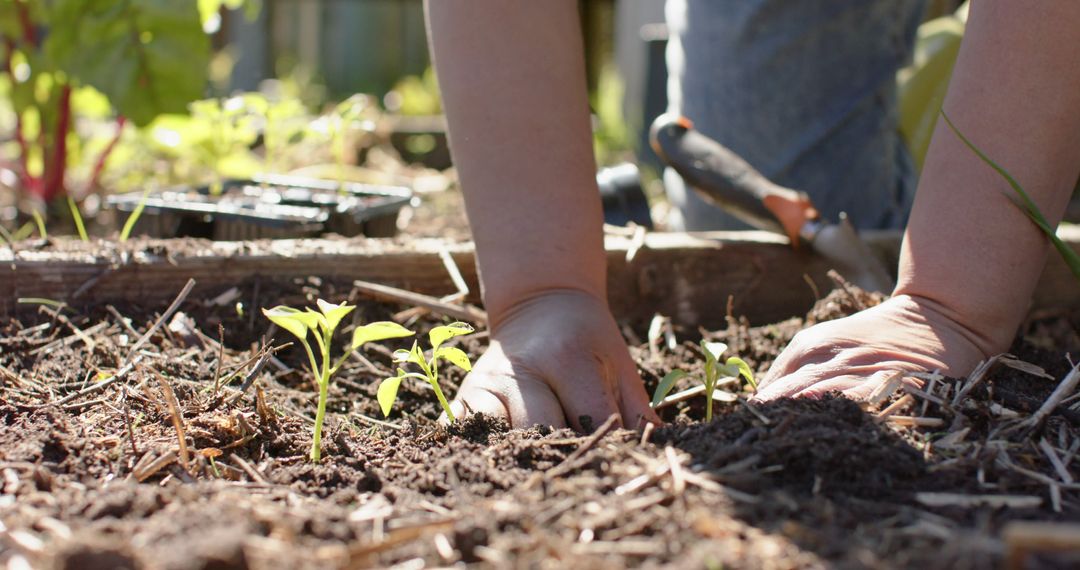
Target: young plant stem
[(324, 387), (442, 402), (708, 400), (77, 217)]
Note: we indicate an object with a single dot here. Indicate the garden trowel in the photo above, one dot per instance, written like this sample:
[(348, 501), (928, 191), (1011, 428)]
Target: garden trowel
[(728, 181)]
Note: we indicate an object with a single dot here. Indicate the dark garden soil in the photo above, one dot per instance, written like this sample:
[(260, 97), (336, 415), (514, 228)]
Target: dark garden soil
[(93, 477)]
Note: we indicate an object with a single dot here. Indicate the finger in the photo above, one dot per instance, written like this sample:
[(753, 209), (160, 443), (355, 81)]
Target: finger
[(856, 387), (589, 396), (634, 401), (522, 400)]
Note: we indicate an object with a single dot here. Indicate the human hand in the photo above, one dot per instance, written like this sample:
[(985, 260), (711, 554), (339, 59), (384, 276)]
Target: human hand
[(855, 354), (553, 359)]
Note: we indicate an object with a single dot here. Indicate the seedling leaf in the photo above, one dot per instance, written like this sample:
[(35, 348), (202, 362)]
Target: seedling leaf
[(334, 313), (737, 366), (713, 350), (439, 335), (376, 331), (665, 386), (388, 390), (455, 356), (296, 322)]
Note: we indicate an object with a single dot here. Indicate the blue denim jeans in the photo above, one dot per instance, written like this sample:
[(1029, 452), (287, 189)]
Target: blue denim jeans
[(805, 91)]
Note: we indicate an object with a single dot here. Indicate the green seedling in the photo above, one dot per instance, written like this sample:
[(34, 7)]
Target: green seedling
[(389, 388), (1024, 202), (321, 324), (40, 222), (733, 367), (134, 217), (76, 215)]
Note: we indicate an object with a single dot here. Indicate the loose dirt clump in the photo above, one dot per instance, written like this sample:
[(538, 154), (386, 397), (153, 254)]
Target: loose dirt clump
[(93, 475)]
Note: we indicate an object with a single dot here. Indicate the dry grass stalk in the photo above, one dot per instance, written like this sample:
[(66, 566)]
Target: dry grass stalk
[(1023, 538), (177, 420), (973, 501), (886, 389), (143, 472), (678, 479), (387, 293), (248, 468), (162, 319), (915, 421), (896, 406), (1065, 388), (97, 387), (976, 376), (690, 393)]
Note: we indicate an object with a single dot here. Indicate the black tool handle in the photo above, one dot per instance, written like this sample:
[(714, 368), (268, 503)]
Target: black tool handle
[(720, 175)]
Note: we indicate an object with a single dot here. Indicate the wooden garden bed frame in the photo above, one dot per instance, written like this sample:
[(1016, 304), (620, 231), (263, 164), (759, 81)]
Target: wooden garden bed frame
[(689, 277)]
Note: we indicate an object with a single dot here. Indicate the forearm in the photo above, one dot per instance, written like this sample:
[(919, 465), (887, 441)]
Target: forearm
[(512, 78), (1015, 93)]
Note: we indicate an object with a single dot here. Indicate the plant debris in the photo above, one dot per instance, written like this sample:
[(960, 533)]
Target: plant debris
[(967, 472)]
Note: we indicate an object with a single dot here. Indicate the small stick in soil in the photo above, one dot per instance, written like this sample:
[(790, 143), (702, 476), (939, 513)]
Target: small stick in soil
[(122, 320), (250, 378), (975, 378), (646, 433), (973, 501), (248, 468), (1025, 537), (163, 318), (177, 420), (568, 464), (886, 389), (385, 292), (220, 356), (915, 421), (1067, 386), (718, 395), (154, 466), (126, 407), (678, 479), (896, 406), (96, 387), (1059, 466)]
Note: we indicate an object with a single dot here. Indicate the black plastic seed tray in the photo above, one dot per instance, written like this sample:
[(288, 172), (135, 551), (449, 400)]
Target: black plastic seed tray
[(270, 206)]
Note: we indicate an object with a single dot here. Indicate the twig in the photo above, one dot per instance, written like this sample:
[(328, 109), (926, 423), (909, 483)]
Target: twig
[(569, 463), (915, 421), (972, 501), (147, 471), (164, 317), (96, 387), (1067, 386), (975, 378), (1024, 537), (248, 468), (177, 420), (1052, 455), (250, 378), (896, 406), (122, 320), (717, 395), (384, 292), (678, 479)]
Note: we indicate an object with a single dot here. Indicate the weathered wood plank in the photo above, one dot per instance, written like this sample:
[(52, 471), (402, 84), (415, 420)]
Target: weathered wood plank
[(688, 277)]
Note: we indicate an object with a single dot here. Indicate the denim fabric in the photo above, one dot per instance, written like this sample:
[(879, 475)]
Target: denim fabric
[(805, 91)]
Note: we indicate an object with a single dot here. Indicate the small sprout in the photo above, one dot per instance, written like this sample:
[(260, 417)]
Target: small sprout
[(212, 453), (129, 224), (733, 367), (321, 324), (389, 388)]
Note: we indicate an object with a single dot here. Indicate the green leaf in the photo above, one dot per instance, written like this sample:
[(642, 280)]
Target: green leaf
[(377, 331), (455, 356), (148, 56), (1024, 202), (388, 390), (665, 386), (713, 350), (738, 366), (333, 313), (296, 322), (415, 356), (439, 335), (318, 318)]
